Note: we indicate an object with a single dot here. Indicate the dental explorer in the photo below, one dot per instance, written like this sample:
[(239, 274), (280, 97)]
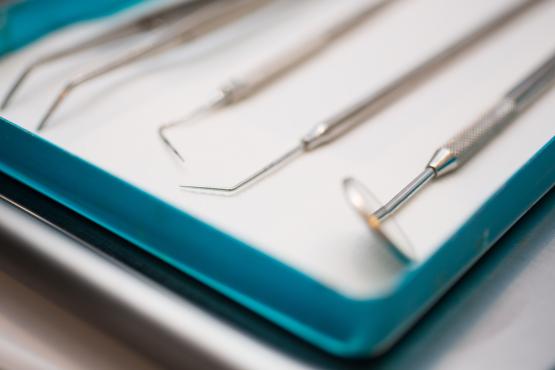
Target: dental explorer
[(328, 131), (144, 24), (457, 151), (239, 89), (206, 20)]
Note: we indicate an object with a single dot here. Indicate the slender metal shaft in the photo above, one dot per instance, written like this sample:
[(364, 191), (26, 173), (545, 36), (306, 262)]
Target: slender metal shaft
[(146, 23), (374, 103), (206, 20), (239, 89), (216, 102), (404, 195), (467, 143), (255, 80), (282, 160)]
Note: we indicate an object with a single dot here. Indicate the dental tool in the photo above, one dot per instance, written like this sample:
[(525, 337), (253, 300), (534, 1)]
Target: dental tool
[(328, 131), (240, 89), (206, 20), (454, 153), (144, 24)]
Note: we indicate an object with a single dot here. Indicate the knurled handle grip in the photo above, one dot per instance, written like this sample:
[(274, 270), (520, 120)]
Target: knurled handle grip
[(474, 137), (469, 141)]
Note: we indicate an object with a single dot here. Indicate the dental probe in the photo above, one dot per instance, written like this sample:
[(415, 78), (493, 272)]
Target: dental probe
[(239, 89), (372, 104), (206, 20), (144, 24), (459, 149)]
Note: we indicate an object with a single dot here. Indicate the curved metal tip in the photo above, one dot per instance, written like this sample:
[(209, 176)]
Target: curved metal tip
[(162, 135), (213, 190), (365, 204), (6, 100), (216, 102), (16, 85), (258, 175), (55, 105)]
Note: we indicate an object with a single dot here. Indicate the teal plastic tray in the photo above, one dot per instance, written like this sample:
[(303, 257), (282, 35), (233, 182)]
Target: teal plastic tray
[(24, 21), (324, 317), (334, 322)]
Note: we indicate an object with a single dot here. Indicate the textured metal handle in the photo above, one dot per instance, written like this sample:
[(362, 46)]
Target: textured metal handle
[(375, 102), (474, 137), (460, 148), (469, 141)]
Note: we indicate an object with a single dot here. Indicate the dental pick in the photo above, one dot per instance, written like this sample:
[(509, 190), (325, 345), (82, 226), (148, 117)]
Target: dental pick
[(328, 131), (240, 89), (147, 23), (206, 20), (456, 152)]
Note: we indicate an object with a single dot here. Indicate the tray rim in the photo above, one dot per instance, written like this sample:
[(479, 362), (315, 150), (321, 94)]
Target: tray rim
[(349, 327)]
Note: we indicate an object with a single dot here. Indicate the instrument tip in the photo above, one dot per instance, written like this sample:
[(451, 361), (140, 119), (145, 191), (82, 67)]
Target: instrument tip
[(253, 178), (168, 143), (355, 193), (388, 233)]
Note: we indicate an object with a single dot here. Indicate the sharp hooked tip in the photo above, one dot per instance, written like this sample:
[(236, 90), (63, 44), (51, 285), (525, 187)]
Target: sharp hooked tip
[(8, 97), (15, 87), (190, 118), (211, 190), (167, 142), (176, 153), (253, 178), (42, 124), (45, 119), (54, 106)]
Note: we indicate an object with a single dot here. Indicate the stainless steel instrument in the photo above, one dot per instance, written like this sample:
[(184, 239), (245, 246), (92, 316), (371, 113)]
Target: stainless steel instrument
[(360, 112), (161, 18), (457, 151), (206, 20), (239, 89)]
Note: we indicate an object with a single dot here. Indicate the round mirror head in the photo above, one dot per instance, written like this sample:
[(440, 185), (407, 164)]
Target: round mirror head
[(365, 204)]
